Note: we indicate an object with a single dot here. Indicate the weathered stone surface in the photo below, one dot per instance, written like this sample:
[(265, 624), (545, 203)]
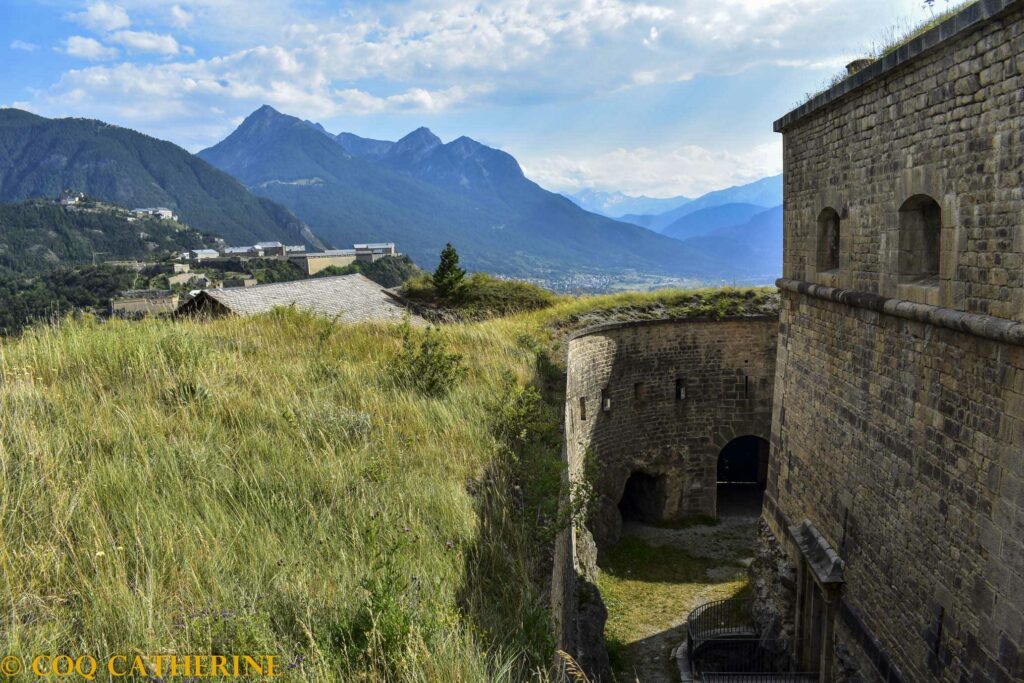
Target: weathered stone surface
[(725, 371), (629, 375), (946, 124), (897, 426)]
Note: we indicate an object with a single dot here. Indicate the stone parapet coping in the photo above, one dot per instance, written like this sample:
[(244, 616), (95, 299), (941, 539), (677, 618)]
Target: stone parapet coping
[(965, 20), (978, 324), (608, 327)]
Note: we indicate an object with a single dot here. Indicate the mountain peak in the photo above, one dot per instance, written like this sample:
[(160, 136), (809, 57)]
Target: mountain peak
[(467, 143), (423, 130), (421, 138), (263, 112), (414, 146)]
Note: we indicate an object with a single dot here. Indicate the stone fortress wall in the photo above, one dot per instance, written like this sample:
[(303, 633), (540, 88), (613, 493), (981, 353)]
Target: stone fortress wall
[(898, 429), (660, 398)]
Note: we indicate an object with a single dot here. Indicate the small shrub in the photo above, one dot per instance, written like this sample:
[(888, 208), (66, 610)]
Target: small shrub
[(425, 364), (378, 634), (420, 289), (527, 428), (516, 415)]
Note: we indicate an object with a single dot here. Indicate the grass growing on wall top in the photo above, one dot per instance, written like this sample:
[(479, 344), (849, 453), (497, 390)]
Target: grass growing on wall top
[(891, 39)]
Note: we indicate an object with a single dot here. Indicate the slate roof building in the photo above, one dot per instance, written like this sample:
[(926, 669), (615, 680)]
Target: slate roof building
[(348, 298)]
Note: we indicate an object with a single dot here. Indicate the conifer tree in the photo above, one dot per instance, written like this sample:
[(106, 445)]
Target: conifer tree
[(448, 275)]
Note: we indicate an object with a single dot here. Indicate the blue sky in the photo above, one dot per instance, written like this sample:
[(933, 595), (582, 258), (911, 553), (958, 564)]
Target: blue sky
[(660, 97)]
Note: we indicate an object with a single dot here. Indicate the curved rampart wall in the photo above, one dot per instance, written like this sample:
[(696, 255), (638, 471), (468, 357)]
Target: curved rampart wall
[(663, 398), (660, 397)]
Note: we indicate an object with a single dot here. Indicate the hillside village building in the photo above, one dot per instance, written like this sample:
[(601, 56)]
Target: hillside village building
[(203, 254), (892, 529), (315, 262), (156, 212), (70, 198), (198, 279), (372, 252)]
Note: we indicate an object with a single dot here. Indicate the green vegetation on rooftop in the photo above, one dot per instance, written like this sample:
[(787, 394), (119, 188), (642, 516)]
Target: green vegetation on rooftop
[(892, 39)]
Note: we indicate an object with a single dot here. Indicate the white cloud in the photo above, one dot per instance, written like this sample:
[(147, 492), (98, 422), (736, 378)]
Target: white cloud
[(23, 46), (353, 101), (688, 170), (145, 41), (102, 16), (88, 48), (180, 17), (438, 54), (320, 60)]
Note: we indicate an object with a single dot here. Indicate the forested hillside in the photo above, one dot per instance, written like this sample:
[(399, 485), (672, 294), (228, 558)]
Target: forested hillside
[(37, 236), (41, 157)]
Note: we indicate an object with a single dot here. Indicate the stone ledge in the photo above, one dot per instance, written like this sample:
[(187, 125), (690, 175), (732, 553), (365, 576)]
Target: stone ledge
[(980, 325), (608, 327), (960, 23)]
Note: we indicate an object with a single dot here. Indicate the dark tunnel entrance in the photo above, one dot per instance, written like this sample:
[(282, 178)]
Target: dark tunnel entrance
[(742, 477), (643, 498)]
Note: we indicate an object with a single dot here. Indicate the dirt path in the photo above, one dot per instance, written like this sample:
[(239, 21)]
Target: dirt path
[(655, 576)]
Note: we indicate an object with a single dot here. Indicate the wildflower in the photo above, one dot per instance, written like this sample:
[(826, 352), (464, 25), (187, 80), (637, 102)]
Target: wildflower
[(100, 553)]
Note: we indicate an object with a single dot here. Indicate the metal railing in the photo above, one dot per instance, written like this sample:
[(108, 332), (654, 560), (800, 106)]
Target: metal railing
[(724, 647), (719, 620)]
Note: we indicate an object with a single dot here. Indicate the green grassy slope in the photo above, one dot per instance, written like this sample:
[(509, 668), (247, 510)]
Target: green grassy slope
[(263, 485)]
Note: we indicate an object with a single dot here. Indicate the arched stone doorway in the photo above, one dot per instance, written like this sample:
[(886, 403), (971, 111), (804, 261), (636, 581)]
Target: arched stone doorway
[(643, 498), (742, 477)]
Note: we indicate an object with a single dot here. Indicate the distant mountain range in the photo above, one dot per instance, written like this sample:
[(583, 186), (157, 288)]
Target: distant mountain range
[(766, 193), (739, 228), (754, 245), (419, 192), (40, 157), (616, 204), (422, 193), (704, 221)]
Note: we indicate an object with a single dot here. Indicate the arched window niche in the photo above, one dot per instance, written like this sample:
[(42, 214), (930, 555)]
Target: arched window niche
[(828, 240), (920, 243)]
